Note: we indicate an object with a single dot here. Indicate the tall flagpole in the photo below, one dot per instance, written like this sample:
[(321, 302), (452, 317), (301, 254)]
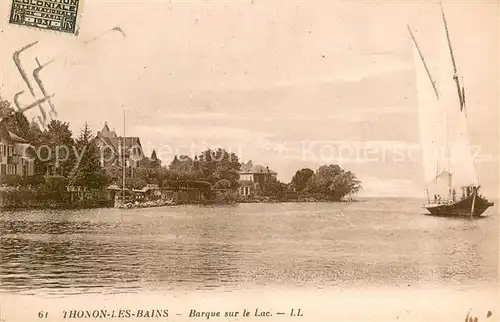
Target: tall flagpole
[(123, 158)]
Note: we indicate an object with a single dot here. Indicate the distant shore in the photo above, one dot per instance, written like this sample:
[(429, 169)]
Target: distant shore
[(105, 204)]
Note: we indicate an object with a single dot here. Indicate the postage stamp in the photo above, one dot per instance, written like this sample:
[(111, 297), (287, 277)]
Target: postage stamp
[(57, 15)]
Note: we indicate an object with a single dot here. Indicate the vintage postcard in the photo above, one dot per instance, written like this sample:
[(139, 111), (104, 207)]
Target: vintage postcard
[(249, 160)]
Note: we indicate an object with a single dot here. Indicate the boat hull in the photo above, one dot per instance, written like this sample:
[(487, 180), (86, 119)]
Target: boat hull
[(460, 208)]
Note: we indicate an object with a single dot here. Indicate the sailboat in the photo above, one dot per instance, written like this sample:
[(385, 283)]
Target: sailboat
[(449, 170)]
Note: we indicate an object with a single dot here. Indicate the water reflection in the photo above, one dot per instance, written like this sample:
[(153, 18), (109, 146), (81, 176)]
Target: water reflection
[(216, 251), (371, 243)]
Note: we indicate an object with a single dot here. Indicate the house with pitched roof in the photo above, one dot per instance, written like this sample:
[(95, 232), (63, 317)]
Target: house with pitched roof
[(14, 157), (118, 149), (254, 178)]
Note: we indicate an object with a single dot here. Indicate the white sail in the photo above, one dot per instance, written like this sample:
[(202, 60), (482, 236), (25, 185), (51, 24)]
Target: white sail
[(461, 163), (446, 152), (463, 167), (432, 124)]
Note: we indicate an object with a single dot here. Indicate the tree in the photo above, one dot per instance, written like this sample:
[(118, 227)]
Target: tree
[(87, 172), (181, 164), (348, 184), (223, 184), (135, 182), (6, 110), (275, 189), (219, 164), (247, 166), (299, 180), (333, 183), (59, 158), (34, 134), (184, 168), (54, 188), (212, 168), (16, 121), (114, 174)]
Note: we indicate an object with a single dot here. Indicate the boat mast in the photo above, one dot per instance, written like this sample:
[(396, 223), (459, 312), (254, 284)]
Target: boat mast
[(455, 76), (460, 89), (423, 61)]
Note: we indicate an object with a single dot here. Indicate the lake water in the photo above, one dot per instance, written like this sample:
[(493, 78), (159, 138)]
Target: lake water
[(374, 243)]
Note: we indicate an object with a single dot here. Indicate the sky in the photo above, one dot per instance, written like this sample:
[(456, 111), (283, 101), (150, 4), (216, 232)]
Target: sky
[(286, 84)]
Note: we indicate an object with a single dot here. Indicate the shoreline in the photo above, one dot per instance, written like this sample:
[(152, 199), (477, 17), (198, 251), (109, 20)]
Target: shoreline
[(107, 204), (209, 203)]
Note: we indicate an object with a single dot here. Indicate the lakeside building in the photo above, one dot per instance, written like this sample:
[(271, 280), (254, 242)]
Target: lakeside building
[(14, 158), (115, 150), (254, 178)]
